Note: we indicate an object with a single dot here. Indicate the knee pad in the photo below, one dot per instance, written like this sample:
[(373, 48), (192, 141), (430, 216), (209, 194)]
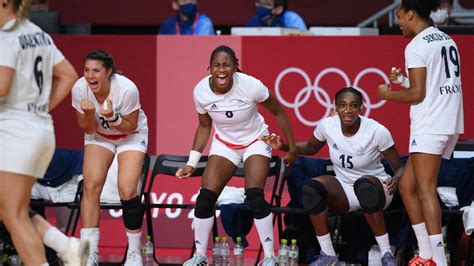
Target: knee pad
[(132, 213), (205, 204), (314, 196), (257, 203), (32, 213), (371, 198)]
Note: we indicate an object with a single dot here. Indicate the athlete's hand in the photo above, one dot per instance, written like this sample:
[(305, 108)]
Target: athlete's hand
[(184, 172), (273, 141), (87, 107), (392, 184), (384, 91), (106, 109), (290, 157), (394, 73)]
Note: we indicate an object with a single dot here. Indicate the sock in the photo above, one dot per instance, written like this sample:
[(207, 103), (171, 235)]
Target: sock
[(437, 246), (202, 228), (44, 264), (56, 240), (134, 243), (326, 244), (424, 244), (265, 233), (91, 234), (384, 244)]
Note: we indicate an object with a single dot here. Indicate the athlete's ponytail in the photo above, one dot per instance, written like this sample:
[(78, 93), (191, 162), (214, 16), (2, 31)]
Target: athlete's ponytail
[(20, 7)]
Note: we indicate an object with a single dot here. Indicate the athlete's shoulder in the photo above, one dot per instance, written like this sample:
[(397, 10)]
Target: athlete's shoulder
[(123, 82)]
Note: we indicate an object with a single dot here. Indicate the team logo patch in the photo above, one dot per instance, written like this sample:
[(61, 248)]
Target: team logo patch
[(268, 149), (413, 142)]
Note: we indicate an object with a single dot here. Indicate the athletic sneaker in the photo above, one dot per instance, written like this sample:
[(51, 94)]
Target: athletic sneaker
[(93, 259), (419, 261), (268, 261), (133, 259), (197, 259), (76, 253), (325, 260), (388, 259)]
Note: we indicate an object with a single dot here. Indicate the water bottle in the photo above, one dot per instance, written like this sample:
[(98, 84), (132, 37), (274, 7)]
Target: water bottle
[(283, 253), (225, 252), (448, 254), (147, 252), (238, 252), (15, 260), (2, 244), (216, 252), (293, 253)]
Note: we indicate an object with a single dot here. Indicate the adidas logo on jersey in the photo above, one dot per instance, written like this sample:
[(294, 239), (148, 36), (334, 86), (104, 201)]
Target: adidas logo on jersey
[(197, 242), (413, 142), (214, 106), (143, 143), (334, 146), (268, 240), (440, 244)]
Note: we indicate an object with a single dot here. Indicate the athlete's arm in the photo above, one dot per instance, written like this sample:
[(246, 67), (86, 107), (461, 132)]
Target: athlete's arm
[(277, 110), (129, 122), (203, 131), (393, 158), (64, 77), (6, 80), (414, 94)]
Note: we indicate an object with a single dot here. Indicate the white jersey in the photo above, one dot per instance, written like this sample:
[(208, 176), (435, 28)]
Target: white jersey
[(359, 154), (441, 111), (32, 53), (234, 114), (125, 99)]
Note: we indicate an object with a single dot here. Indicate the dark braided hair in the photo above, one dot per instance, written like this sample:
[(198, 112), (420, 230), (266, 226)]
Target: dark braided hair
[(229, 51), (104, 57), (422, 7), (351, 90)]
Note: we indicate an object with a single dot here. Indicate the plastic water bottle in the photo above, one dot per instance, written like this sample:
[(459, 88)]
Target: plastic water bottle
[(15, 260), (216, 252), (448, 254), (293, 253), (225, 252), (147, 252), (283, 253), (238, 252)]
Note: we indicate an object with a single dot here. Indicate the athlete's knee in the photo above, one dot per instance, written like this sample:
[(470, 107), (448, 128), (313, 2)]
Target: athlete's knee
[(132, 213), (205, 203), (258, 205), (371, 197), (314, 196)]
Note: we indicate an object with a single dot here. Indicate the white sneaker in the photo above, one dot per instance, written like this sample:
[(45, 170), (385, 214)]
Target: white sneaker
[(93, 259), (133, 259), (197, 259), (76, 253)]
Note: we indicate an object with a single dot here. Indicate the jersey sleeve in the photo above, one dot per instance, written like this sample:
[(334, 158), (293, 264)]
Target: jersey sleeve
[(7, 54), (130, 101), (77, 96), (320, 131), (199, 108), (261, 92), (383, 138), (414, 57)]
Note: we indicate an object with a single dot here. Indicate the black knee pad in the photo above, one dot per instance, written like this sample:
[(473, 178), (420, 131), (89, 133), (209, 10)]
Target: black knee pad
[(32, 213), (205, 204), (371, 198), (257, 203), (132, 213), (314, 196)]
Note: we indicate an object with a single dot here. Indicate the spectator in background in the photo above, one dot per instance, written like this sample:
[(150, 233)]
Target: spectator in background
[(440, 17), (275, 13), (188, 20)]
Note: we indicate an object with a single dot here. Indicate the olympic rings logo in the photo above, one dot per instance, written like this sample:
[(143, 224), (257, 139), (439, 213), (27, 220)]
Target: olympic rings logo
[(321, 95)]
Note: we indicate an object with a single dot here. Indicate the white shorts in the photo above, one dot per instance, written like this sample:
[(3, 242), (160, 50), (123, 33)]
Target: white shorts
[(133, 142), (26, 146), (433, 144), (352, 198), (238, 156)]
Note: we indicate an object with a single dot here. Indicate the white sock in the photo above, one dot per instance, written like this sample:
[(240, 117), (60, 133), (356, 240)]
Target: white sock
[(56, 240), (92, 234), (424, 244), (202, 228), (265, 233), (326, 244), (384, 244), (44, 264), (437, 245), (134, 243)]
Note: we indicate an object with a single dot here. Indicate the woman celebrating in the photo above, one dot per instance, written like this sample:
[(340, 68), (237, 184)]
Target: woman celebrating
[(355, 145), (108, 110), (434, 90), (230, 99)]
